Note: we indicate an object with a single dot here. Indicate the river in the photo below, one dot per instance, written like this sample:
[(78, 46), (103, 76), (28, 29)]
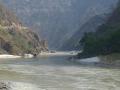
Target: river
[(59, 73)]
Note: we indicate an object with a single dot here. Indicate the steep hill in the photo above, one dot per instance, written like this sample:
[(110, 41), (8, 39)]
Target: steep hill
[(106, 39), (58, 20), (90, 26), (14, 37)]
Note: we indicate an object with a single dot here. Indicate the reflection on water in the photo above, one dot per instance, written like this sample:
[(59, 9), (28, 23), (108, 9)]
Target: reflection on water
[(58, 73)]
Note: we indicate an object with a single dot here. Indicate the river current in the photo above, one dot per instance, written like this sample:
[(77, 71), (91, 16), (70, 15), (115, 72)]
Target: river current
[(59, 73)]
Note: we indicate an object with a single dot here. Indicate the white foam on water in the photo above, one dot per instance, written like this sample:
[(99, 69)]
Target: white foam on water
[(90, 60), (24, 86), (53, 77)]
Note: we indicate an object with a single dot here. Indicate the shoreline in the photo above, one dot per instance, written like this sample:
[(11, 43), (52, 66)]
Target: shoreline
[(42, 54), (60, 53), (9, 56)]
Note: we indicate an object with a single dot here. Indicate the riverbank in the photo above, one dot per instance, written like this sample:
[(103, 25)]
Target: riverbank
[(7, 56), (59, 53)]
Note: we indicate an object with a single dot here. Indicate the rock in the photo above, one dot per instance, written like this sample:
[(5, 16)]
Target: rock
[(15, 38), (4, 86), (28, 56)]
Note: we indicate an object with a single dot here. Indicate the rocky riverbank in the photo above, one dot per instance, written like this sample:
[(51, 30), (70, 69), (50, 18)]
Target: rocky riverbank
[(5, 85)]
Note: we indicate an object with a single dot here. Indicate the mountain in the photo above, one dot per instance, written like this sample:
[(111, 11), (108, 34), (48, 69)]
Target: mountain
[(106, 39), (16, 38), (90, 26), (57, 20)]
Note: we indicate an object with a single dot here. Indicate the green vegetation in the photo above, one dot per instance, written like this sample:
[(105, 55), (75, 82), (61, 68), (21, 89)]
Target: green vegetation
[(17, 42), (104, 41), (94, 45), (15, 38)]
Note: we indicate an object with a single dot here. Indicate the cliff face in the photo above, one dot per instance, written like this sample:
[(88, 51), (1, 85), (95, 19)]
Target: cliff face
[(14, 37)]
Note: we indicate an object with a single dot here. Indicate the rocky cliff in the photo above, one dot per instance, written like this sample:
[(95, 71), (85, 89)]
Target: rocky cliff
[(16, 38)]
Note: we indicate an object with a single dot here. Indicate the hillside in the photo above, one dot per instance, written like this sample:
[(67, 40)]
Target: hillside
[(14, 37), (90, 26), (57, 20), (106, 39)]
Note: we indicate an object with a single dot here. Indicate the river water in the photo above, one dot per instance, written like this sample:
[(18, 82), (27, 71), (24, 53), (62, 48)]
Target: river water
[(59, 73)]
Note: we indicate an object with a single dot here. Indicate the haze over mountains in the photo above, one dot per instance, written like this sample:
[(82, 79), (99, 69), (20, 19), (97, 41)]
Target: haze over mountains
[(106, 39), (58, 20), (90, 26)]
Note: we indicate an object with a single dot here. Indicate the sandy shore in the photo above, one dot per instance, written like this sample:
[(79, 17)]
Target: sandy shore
[(8, 56), (57, 54), (5, 56)]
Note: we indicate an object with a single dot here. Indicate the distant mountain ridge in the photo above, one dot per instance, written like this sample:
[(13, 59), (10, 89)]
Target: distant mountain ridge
[(58, 20), (106, 40), (90, 26), (16, 38)]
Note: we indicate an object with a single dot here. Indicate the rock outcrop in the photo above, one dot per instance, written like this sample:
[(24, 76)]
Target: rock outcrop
[(15, 38)]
